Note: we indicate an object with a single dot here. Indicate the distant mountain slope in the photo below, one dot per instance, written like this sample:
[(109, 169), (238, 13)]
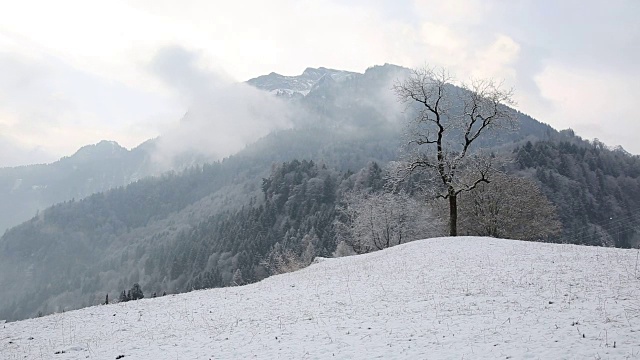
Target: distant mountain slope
[(446, 298), (93, 168)]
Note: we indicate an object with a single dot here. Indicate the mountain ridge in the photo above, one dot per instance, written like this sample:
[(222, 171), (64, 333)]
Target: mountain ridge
[(296, 86)]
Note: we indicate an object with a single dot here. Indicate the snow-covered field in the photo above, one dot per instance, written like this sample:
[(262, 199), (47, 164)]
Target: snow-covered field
[(458, 298)]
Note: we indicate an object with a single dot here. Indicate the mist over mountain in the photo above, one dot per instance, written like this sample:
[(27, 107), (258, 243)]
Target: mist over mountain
[(212, 218), (199, 138)]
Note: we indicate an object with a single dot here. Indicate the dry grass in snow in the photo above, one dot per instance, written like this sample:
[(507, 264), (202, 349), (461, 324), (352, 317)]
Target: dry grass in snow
[(455, 298)]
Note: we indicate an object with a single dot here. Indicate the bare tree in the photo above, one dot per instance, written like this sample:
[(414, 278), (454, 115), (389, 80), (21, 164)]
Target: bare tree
[(509, 207), (375, 221), (447, 125)]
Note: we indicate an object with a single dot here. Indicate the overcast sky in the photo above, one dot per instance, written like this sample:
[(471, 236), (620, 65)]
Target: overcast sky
[(76, 72)]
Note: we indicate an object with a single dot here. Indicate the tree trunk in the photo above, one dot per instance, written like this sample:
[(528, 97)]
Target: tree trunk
[(453, 214)]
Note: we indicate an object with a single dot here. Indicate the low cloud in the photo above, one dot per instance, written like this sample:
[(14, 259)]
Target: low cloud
[(25, 105), (13, 153), (222, 115), (49, 109), (101, 92), (596, 105)]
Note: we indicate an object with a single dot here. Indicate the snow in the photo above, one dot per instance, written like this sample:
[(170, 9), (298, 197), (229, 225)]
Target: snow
[(459, 298), (289, 92)]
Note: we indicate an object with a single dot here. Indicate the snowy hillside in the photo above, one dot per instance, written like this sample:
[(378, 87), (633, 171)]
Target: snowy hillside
[(453, 298)]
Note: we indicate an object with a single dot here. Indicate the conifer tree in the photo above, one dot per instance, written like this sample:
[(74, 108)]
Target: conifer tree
[(136, 292)]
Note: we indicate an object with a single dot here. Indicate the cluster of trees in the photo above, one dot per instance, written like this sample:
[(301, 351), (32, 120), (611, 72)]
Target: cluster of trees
[(509, 207), (370, 221), (570, 190), (135, 293)]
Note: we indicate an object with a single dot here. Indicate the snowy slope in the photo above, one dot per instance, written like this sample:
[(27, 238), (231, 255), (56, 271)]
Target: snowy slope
[(454, 298)]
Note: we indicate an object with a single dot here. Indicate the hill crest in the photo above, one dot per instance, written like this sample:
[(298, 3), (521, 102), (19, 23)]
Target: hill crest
[(444, 298)]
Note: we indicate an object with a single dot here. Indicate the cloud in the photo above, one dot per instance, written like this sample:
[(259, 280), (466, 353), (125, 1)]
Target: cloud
[(27, 105), (595, 104), (223, 115), (453, 12), (13, 153), (87, 61), (49, 109), (566, 71), (497, 60)]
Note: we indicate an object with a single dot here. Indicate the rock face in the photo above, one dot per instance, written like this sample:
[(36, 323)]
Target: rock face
[(300, 85)]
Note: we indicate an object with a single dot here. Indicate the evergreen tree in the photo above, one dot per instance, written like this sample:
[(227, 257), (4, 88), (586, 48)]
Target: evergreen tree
[(237, 278), (136, 292), (123, 296)]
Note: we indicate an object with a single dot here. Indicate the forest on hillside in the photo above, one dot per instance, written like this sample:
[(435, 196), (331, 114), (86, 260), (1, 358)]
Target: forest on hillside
[(595, 189), (291, 217)]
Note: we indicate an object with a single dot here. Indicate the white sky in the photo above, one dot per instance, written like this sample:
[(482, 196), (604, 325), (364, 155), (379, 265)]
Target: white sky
[(74, 72)]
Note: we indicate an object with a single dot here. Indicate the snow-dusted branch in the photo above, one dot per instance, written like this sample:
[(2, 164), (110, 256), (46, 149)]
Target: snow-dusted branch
[(375, 221)]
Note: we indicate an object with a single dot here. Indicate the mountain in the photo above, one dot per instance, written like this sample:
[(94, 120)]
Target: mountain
[(198, 227), (443, 298), (298, 86), (25, 190), (336, 101)]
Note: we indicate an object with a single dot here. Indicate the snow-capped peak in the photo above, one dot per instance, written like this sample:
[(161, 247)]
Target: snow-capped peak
[(300, 85)]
